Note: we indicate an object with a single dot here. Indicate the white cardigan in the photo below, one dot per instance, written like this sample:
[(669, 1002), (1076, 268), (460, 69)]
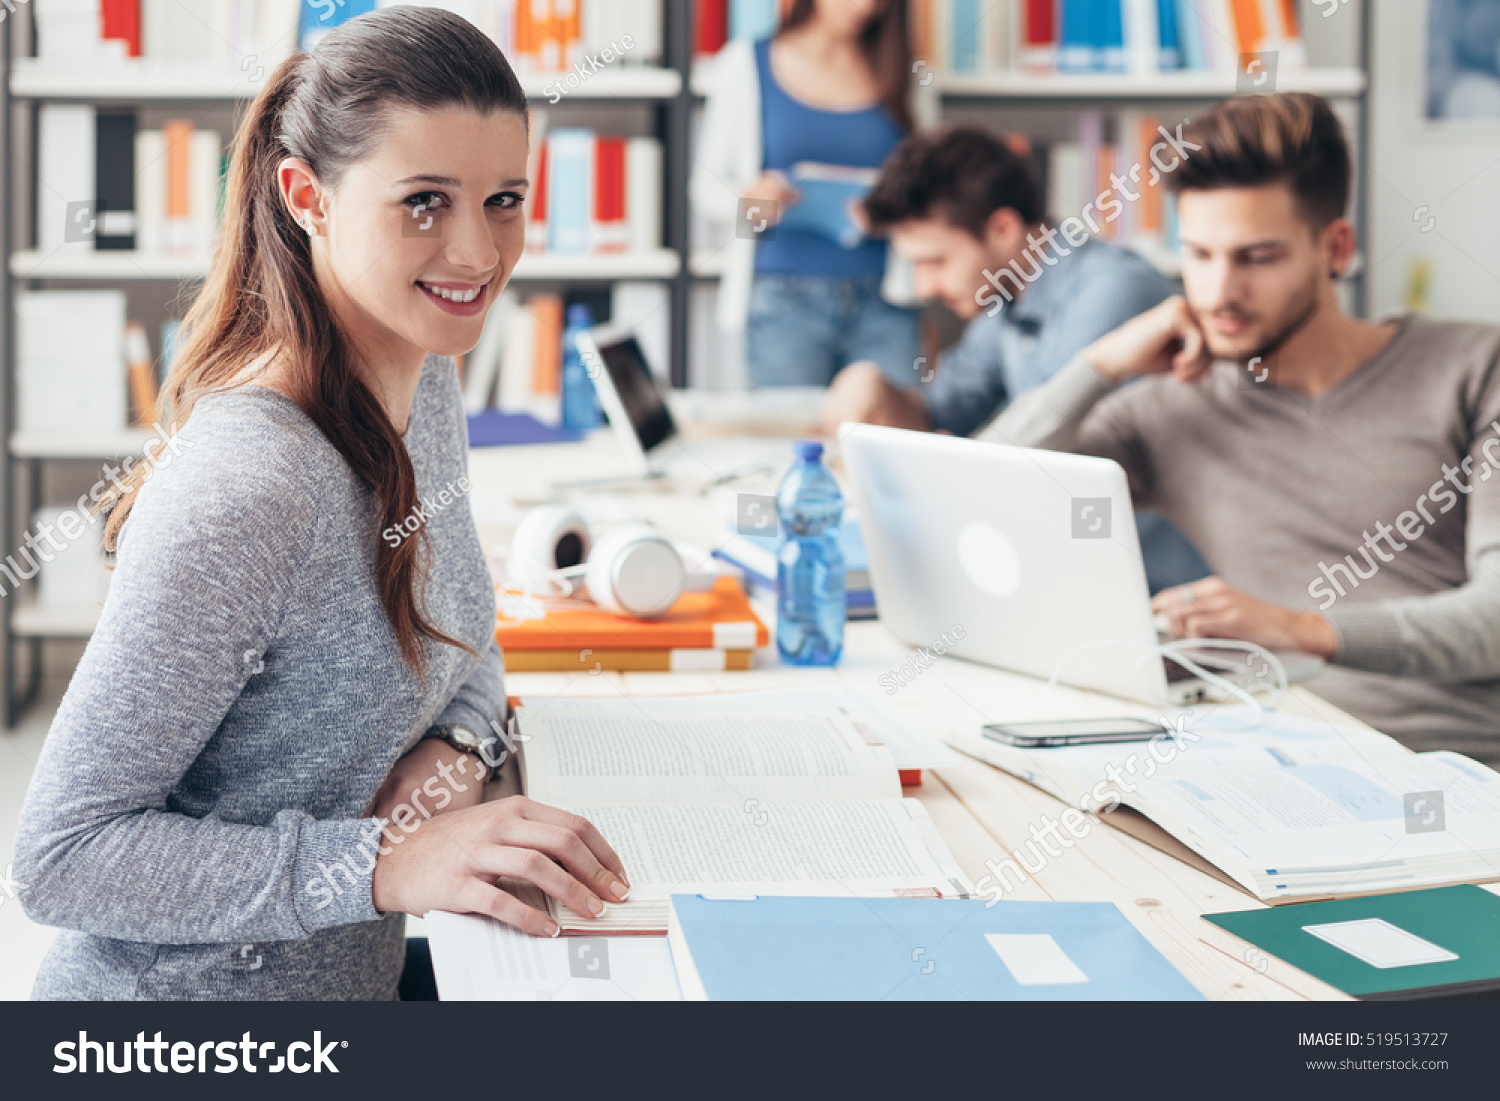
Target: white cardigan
[(729, 159)]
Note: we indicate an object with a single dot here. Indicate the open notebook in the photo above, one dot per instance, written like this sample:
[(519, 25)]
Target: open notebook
[(1291, 809), (734, 805)]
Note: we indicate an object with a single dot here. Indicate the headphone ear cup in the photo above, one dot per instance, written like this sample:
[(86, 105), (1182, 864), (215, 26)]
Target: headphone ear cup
[(548, 539), (634, 571)]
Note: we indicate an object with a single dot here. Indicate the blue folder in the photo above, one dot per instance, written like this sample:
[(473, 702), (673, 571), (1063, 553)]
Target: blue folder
[(492, 428), (915, 949)]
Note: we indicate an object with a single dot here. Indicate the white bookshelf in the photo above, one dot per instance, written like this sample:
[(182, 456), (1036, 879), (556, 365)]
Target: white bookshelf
[(126, 266), (82, 445), (31, 620), (154, 81), (1333, 83)]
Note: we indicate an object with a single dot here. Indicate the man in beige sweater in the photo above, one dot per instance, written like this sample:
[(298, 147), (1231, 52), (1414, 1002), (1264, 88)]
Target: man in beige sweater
[(1337, 474)]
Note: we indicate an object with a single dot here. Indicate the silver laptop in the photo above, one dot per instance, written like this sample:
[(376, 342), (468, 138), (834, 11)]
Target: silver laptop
[(1033, 553), (642, 423)]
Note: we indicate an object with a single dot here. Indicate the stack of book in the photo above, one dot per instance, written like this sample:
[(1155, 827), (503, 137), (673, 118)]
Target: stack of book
[(754, 556), (1139, 37), (1107, 178), (710, 631), (111, 185), (592, 193)]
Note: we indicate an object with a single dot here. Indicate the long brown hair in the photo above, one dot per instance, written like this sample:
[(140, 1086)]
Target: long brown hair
[(886, 45), (326, 107)]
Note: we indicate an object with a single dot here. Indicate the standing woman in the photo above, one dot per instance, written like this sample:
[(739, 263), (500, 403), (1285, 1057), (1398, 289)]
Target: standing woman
[(831, 86), (274, 676)]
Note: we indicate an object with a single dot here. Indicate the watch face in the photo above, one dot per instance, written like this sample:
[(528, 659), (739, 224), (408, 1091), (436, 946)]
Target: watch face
[(463, 736)]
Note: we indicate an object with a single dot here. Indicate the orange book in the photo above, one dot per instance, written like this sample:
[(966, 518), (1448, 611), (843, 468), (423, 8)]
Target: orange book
[(545, 30), (547, 312), (592, 661), (141, 374), (567, 31), (718, 619), (1149, 223), (177, 135), (1109, 215), (1249, 29)]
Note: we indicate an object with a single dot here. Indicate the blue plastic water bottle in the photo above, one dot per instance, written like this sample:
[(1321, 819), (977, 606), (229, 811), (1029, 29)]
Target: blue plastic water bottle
[(811, 596), (580, 405)]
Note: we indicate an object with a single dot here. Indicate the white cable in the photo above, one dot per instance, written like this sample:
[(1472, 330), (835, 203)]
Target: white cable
[(1172, 651)]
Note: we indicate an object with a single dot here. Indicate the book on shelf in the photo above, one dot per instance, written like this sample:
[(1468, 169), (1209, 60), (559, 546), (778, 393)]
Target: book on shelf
[(142, 375), (1138, 37), (716, 800), (594, 193), (717, 22), (72, 575), (913, 949), (1287, 809), (70, 361), (1409, 945)]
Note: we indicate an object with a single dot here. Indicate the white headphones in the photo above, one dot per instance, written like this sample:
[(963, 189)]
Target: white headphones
[(631, 570)]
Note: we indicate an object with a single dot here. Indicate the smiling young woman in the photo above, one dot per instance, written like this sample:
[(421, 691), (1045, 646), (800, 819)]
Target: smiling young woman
[(272, 683)]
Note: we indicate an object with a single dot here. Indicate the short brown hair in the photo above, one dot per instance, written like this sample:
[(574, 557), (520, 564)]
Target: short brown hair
[(1292, 138), (965, 173)]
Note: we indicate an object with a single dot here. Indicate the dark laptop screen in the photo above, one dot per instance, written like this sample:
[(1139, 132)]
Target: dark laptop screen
[(643, 402)]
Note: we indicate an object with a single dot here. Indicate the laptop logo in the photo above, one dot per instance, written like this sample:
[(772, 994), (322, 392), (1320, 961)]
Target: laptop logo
[(989, 559)]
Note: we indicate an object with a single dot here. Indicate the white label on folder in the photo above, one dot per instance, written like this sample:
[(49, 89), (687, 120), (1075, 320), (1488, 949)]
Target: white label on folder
[(1035, 959), (1379, 943)]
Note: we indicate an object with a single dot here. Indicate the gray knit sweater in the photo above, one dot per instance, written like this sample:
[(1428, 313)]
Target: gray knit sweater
[(193, 824), (1376, 504)]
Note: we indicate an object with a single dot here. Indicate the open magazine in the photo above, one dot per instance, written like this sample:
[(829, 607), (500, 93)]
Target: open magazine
[(1289, 809), (726, 803)]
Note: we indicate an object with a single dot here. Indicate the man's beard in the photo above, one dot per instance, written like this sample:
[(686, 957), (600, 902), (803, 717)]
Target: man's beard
[(1274, 343)]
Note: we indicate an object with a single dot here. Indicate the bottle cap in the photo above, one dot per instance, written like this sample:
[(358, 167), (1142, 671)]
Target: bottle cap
[(809, 451), (580, 316)]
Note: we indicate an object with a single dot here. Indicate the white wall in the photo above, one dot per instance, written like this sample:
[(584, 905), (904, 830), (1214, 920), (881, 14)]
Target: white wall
[(1452, 170)]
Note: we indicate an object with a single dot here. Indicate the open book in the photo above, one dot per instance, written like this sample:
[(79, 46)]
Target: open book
[(1291, 809), (733, 804)]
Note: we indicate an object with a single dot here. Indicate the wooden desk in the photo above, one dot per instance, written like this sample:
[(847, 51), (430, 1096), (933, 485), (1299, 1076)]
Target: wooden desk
[(983, 813)]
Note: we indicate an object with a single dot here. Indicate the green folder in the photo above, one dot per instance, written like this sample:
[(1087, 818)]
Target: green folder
[(1436, 943)]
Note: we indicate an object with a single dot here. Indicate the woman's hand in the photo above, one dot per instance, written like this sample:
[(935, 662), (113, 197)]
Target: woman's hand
[(774, 194), (451, 863), (1213, 609), (455, 787)]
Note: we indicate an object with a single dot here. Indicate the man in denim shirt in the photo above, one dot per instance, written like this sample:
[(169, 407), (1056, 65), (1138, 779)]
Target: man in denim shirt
[(967, 213)]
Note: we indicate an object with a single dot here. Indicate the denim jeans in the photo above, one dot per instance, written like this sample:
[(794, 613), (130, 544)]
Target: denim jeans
[(804, 329)]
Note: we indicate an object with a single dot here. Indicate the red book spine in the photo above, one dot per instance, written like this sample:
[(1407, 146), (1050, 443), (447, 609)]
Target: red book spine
[(609, 193), (536, 198), (713, 26), (122, 19), (1041, 23)]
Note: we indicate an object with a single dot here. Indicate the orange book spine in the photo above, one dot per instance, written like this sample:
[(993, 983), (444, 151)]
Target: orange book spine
[(1150, 221), (142, 376), (1105, 186), (1248, 28), (567, 30), (547, 310), (179, 138)]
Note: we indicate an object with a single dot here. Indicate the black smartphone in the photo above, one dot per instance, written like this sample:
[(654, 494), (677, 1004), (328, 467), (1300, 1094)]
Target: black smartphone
[(1056, 732)]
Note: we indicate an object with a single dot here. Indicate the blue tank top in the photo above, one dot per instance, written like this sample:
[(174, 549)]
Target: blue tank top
[(791, 131)]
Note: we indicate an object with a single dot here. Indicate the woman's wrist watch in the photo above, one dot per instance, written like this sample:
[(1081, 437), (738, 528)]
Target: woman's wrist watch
[(487, 749)]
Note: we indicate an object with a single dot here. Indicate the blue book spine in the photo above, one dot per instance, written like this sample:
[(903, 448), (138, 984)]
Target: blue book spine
[(1075, 46), (1189, 32), (321, 16), (1110, 40), (967, 32), (752, 19), (570, 190), (1170, 56)]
